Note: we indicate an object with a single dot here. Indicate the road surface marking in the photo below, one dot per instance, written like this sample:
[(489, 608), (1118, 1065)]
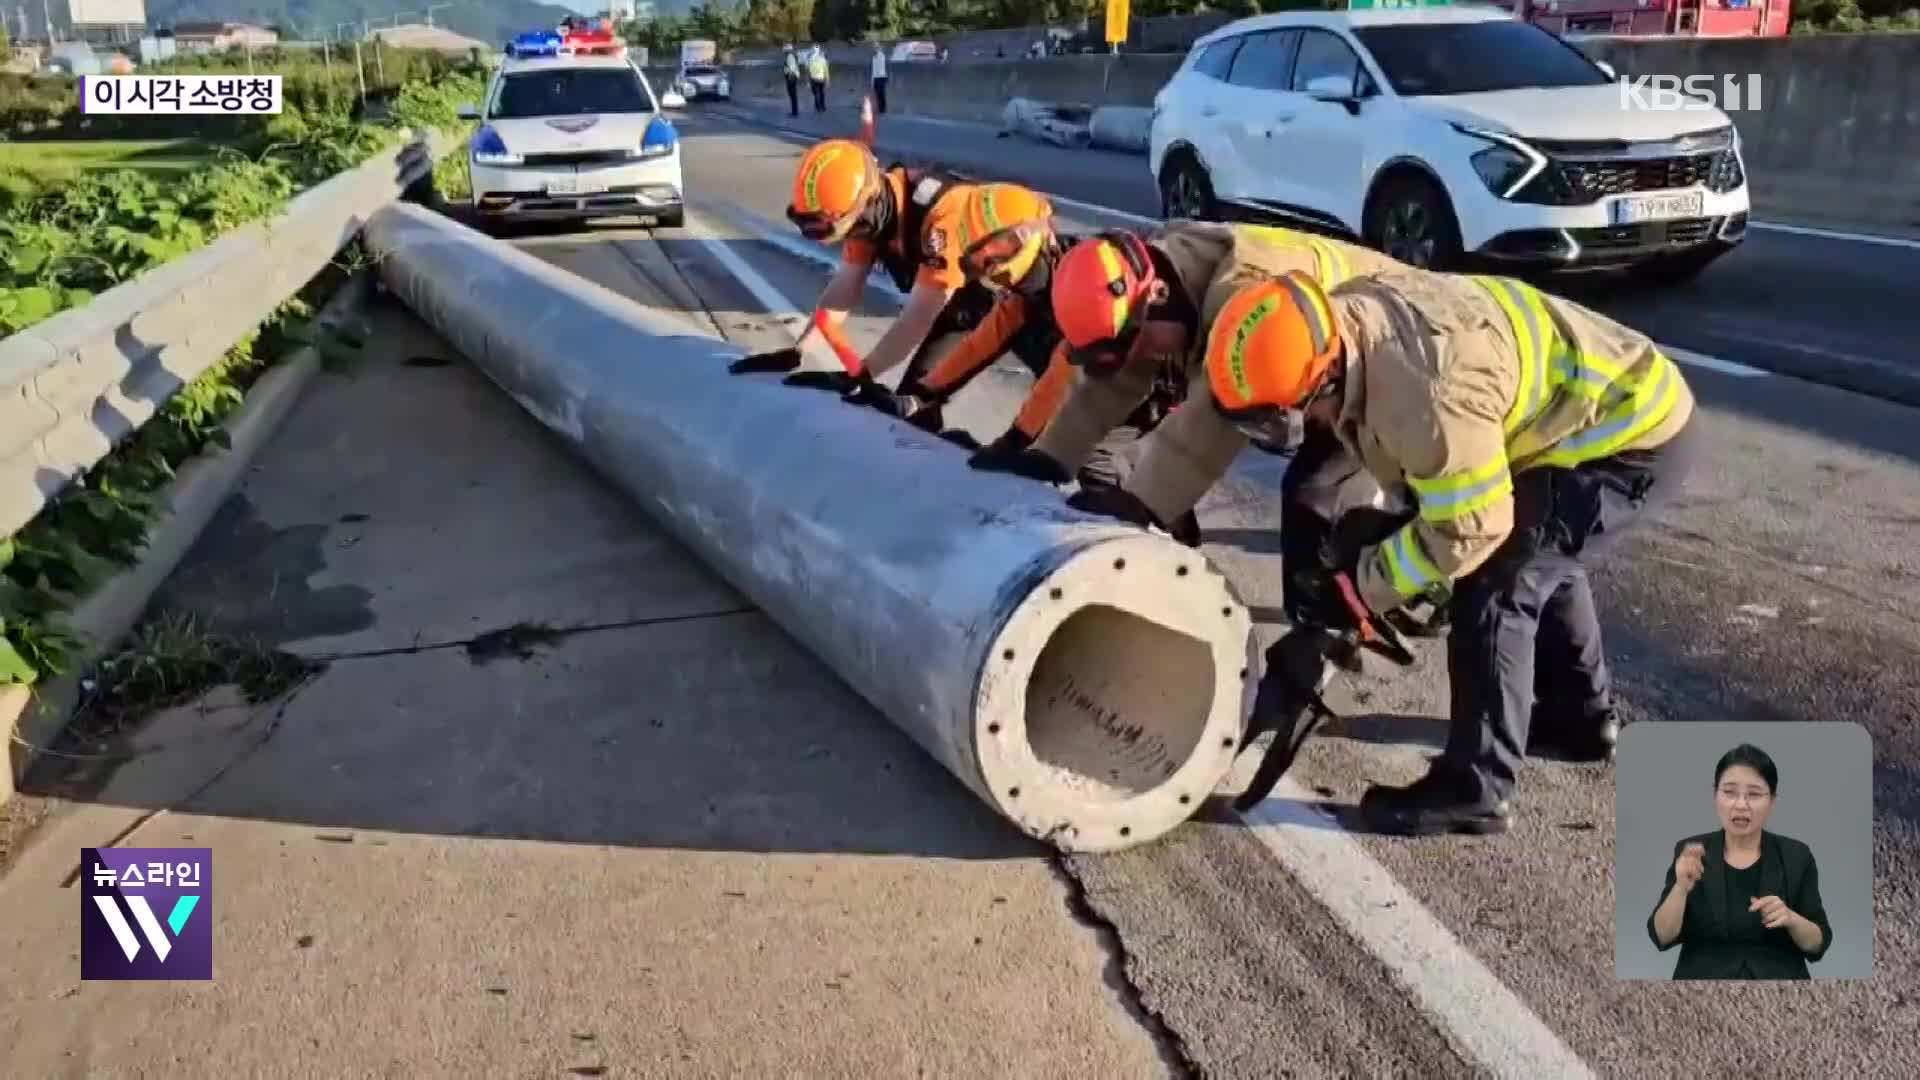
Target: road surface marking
[(771, 233), (767, 231), (1485, 1021), (763, 290), (1837, 234), (1712, 363)]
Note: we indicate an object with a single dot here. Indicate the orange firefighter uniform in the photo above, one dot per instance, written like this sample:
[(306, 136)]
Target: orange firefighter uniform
[(913, 223)]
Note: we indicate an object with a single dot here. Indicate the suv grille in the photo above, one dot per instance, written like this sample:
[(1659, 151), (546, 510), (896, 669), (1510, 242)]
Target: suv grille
[(579, 157), (1582, 173)]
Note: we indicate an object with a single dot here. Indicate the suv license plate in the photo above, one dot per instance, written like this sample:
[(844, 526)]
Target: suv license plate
[(574, 185), (1679, 204)]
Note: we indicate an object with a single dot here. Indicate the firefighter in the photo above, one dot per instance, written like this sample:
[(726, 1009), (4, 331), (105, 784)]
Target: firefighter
[(915, 223), (1129, 307), (1528, 432), (1016, 263)]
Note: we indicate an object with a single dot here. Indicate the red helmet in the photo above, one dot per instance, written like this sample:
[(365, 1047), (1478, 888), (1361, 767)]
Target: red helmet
[(1101, 291)]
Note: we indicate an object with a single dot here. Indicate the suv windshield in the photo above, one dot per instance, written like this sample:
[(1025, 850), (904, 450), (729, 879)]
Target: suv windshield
[(1473, 58), (702, 71), (571, 92)]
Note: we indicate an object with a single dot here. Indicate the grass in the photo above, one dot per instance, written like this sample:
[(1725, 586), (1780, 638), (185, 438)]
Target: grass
[(81, 155)]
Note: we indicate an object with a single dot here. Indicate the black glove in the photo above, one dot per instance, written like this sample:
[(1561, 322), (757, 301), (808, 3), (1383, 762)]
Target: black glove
[(961, 439), (775, 362), (1013, 453), (1114, 502), (904, 405), (835, 382), (1314, 598)]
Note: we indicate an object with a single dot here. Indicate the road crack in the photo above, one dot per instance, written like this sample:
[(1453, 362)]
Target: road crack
[(1171, 1046), (522, 639)]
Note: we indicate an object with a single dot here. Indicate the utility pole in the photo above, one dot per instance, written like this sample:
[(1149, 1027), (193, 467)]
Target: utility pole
[(431, 8), (46, 11), (360, 69)]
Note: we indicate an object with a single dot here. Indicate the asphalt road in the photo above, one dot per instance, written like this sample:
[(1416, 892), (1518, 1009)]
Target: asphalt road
[(1820, 308), (1780, 589)]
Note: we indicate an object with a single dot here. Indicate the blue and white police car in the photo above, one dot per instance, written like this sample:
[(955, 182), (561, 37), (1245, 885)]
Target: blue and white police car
[(571, 130)]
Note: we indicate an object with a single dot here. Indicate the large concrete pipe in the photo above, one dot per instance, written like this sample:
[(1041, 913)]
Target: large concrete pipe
[(1089, 680)]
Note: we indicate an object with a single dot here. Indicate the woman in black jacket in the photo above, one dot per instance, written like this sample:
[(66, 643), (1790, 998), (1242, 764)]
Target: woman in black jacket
[(1742, 902)]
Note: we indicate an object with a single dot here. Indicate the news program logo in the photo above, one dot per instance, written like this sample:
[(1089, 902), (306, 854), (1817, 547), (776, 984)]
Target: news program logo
[(146, 913)]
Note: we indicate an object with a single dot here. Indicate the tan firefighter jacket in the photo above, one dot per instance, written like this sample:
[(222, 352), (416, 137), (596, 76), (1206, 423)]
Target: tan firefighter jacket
[(1211, 261), (1455, 383)]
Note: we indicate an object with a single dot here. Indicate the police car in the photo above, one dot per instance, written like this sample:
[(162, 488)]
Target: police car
[(571, 130)]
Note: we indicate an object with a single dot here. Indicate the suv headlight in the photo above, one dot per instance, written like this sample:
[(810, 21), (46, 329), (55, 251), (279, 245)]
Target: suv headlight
[(1506, 166), (490, 149)]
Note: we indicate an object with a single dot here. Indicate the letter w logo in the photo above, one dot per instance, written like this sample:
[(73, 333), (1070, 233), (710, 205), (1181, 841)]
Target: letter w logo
[(150, 926)]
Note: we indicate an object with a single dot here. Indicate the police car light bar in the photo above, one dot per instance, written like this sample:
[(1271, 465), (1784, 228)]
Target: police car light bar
[(593, 43), (538, 43)]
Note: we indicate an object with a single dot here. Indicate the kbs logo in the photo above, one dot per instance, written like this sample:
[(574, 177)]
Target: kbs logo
[(146, 913), (1695, 93)]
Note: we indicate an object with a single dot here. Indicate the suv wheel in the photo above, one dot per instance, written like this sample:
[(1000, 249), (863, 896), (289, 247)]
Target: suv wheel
[(1411, 220), (1185, 190)]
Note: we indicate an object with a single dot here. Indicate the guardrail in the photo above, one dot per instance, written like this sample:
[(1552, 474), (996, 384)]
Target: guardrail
[(74, 386)]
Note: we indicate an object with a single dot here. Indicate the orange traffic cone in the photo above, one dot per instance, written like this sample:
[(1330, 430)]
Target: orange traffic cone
[(866, 120)]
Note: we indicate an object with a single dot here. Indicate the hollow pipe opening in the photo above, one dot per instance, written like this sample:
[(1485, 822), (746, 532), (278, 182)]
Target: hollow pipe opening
[(1116, 702), (1113, 698)]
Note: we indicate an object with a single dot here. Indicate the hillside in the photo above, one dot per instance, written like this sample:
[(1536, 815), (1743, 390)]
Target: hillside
[(491, 21)]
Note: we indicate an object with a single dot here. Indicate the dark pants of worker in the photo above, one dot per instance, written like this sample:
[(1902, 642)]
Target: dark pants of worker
[(819, 97), (880, 94), (793, 97), (1524, 628)]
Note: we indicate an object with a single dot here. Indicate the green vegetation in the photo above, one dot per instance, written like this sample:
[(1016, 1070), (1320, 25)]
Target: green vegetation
[(1856, 16), (84, 155), (62, 243)]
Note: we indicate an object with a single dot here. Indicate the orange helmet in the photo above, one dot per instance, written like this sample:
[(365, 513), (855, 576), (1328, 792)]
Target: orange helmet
[(1270, 346), (1101, 290), (836, 181)]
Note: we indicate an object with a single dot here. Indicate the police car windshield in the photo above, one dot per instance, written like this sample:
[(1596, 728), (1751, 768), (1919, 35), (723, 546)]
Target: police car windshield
[(571, 92), (1475, 58)]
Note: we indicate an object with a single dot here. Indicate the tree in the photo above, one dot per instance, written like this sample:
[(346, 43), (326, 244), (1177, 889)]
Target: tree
[(6, 45)]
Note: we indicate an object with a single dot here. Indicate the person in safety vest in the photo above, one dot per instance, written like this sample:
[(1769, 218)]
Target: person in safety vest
[(1527, 432), (916, 223), (1130, 308)]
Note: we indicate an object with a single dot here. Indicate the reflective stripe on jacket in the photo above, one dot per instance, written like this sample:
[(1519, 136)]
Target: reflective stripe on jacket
[(1456, 383)]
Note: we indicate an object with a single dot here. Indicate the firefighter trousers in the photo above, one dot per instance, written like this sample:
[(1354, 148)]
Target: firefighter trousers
[(1524, 627)]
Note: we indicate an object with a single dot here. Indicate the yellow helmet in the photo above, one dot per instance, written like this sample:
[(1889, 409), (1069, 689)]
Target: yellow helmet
[(1013, 225)]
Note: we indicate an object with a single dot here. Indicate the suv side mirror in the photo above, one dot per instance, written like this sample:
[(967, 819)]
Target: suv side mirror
[(1607, 69), (1338, 89), (1330, 88), (467, 112)]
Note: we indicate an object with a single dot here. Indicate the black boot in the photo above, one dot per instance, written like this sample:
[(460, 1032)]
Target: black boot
[(1442, 801), (1569, 735)]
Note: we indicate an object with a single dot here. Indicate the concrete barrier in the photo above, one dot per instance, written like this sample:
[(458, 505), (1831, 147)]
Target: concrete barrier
[(73, 386), (1835, 137), (1087, 680), (980, 91)]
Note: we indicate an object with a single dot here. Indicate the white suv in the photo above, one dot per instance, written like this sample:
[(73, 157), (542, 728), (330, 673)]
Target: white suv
[(1443, 134)]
